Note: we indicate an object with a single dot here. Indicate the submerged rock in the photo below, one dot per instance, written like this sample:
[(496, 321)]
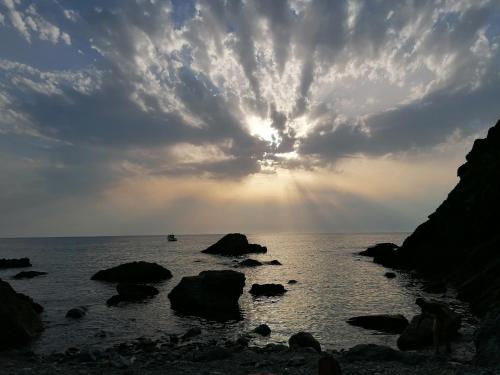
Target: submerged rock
[(263, 330), (28, 274), (135, 272), (19, 322), (15, 263), (128, 292), (211, 294), (250, 263), (267, 290), (234, 244), (304, 340), (77, 312), (384, 322)]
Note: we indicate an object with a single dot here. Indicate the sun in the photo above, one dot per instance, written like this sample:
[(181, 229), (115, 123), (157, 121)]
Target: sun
[(261, 128)]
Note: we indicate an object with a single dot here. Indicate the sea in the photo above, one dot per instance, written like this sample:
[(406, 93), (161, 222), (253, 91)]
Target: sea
[(333, 284)]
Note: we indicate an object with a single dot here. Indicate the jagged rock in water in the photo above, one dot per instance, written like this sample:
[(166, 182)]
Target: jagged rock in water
[(234, 244), (128, 292), (267, 290), (304, 340), (383, 322), (15, 263), (250, 263), (211, 294), (19, 321), (379, 249), (28, 275), (135, 272)]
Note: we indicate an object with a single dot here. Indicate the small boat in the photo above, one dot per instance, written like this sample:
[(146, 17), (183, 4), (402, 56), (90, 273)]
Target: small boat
[(171, 237)]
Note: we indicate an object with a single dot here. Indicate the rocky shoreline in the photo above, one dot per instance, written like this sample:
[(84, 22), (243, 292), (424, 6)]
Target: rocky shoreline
[(225, 356)]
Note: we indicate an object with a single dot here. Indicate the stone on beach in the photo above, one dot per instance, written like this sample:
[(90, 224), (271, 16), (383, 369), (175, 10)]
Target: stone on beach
[(128, 292), (19, 321), (267, 290), (15, 263), (211, 294), (234, 244), (304, 340), (135, 272), (417, 336), (395, 323), (28, 274)]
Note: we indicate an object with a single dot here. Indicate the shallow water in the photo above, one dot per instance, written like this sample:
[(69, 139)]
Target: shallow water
[(334, 284)]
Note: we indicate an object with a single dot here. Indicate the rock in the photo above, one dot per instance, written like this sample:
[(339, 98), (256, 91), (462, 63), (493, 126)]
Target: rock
[(128, 292), (292, 281), (19, 322), (15, 263), (487, 341), (459, 242), (273, 262), (249, 263), (77, 312), (379, 249), (36, 306), (211, 294), (234, 244), (192, 332), (327, 365), (263, 330), (390, 275), (304, 340), (372, 352), (28, 274), (267, 290), (417, 337), (435, 287), (243, 341), (384, 322), (135, 272)]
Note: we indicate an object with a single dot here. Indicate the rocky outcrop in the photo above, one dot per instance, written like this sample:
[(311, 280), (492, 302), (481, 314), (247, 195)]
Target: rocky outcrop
[(234, 244), (304, 340), (384, 322), (267, 290), (211, 294), (28, 275), (15, 263), (460, 242), (128, 292), (135, 272), (19, 321)]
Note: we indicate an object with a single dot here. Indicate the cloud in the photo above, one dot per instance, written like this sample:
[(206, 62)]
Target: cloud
[(171, 89)]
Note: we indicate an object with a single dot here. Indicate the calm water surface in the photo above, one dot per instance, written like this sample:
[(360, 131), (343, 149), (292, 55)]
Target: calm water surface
[(333, 285)]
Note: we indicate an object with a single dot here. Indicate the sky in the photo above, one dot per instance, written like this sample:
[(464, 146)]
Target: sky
[(151, 117)]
